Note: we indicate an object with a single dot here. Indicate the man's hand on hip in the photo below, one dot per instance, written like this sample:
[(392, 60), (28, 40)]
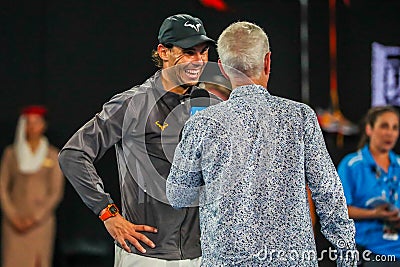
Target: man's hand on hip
[(122, 231)]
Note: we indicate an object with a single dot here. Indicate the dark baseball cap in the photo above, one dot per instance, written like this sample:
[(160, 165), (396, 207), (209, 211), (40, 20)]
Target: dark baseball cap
[(183, 30)]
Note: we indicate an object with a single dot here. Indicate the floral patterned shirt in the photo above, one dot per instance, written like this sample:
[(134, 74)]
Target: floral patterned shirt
[(246, 163)]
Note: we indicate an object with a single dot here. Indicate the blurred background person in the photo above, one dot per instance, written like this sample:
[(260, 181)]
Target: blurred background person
[(31, 187), (370, 180)]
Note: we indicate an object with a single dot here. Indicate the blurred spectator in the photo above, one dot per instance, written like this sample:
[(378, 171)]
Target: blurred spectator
[(31, 187), (370, 180)]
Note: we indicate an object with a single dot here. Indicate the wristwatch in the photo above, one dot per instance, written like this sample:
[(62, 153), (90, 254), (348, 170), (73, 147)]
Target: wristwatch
[(110, 211)]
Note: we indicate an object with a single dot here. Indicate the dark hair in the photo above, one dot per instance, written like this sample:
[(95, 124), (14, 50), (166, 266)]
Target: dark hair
[(372, 115), (155, 57)]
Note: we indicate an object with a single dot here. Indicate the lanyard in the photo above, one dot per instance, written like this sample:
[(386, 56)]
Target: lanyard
[(390, 184)]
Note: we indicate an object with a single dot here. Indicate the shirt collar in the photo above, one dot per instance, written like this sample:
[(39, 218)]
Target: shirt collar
[(251, 89), (164, 93), (370, 160), (393, 158)]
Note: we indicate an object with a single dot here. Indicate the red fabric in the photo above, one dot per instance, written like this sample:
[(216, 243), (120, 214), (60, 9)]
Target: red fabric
[(34, 109), (219, 5)]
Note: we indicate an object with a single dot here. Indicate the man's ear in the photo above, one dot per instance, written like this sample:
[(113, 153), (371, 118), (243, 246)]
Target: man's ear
[(162, 52), (221, 68), (267, 63)]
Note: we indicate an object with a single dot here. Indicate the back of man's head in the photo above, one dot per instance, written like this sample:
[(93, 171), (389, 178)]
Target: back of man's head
[(242, 47)]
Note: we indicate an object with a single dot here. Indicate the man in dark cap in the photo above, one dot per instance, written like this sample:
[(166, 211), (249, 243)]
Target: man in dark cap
[(143, 124)]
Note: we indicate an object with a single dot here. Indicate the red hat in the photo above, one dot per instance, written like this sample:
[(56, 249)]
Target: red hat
[(34, 109)]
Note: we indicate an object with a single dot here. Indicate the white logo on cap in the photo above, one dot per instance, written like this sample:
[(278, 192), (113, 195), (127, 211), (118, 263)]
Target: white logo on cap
[(196, 27)]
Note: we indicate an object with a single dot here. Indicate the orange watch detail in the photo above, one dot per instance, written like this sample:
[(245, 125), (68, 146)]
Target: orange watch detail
[(110, 211)]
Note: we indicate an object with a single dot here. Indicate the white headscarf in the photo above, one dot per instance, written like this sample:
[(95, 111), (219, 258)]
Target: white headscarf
[(28, 161)]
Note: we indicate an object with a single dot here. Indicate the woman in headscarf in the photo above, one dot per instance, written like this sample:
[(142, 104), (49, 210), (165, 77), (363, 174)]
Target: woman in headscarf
[(31, 187)]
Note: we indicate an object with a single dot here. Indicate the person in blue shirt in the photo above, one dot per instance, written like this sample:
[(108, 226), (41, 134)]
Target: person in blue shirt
[(370, 179)]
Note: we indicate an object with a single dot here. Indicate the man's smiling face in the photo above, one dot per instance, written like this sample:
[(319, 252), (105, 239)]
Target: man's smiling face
[(185, 65)]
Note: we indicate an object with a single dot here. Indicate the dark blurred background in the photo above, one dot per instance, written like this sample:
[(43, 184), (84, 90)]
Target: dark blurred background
[(72, 56)]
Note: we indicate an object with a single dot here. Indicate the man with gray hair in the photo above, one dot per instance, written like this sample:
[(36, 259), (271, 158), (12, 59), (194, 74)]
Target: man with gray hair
[(248, 160)]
